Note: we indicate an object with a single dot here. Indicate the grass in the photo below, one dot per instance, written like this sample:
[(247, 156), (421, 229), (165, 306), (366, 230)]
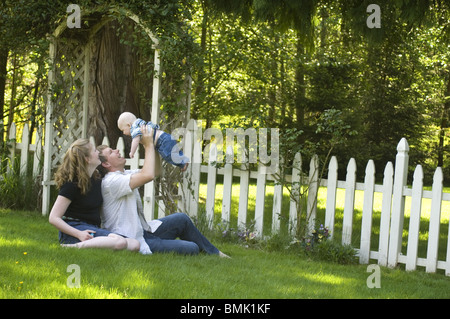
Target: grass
[(33, 265)]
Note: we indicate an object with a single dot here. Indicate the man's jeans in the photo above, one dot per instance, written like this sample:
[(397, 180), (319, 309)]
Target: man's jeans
[(178, 225)]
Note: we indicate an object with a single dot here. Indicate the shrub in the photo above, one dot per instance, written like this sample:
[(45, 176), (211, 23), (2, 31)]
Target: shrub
[(333, 251), (19, 191), (318, 245)]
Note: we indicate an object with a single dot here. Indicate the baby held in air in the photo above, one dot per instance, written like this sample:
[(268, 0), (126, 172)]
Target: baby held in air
[(165, 145)]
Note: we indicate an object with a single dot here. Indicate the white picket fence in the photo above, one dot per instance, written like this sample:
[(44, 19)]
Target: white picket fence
[(25, 148), (394, 192)]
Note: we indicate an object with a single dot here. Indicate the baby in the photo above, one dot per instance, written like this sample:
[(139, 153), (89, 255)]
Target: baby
[(164, 143)]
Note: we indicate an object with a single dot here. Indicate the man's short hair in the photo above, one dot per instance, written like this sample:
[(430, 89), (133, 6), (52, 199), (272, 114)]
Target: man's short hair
[(103, 171)]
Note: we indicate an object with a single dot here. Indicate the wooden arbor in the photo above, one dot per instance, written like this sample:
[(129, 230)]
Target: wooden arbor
[(68, 99)]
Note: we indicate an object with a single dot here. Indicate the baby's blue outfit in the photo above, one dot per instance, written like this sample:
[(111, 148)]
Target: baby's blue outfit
[(166, 145)]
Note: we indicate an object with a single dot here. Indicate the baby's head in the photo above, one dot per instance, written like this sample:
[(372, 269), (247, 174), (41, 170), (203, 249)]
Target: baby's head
[(125, 121)]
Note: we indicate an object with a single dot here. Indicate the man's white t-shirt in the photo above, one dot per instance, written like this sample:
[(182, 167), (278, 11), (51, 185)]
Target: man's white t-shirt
[(122, 208)]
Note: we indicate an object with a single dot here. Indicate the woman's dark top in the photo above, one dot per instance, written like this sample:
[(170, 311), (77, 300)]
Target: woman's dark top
[(85, 208)]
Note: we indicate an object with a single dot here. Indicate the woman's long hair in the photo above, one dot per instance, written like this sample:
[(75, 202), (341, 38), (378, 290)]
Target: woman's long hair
[(74, 167)]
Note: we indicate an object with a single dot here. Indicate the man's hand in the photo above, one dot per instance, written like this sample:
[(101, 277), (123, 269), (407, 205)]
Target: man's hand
[(147, 136), (147, 173)]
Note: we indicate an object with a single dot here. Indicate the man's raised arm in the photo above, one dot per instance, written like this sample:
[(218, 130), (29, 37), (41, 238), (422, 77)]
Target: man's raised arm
[(147, 173)]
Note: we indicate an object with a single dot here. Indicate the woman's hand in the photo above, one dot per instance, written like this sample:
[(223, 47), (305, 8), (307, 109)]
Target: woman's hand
[(86, 235)]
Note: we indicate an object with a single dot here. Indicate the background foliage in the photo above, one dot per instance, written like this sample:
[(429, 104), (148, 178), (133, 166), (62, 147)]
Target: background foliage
[(270, 63)]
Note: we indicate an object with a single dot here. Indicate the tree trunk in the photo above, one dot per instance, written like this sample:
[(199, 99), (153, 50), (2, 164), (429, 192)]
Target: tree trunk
[(200, 83), (33, 107), (12, 103), (115, 84), (443, 125), (3, 64), (300, 85)]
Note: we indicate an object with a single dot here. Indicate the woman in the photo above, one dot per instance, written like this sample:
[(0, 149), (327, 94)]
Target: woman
[(76, 211)]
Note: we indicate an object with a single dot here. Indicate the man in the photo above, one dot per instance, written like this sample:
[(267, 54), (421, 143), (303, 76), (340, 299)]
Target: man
[(122, 207)]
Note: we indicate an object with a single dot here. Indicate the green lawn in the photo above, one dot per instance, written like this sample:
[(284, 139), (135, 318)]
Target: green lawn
[(33, 265)]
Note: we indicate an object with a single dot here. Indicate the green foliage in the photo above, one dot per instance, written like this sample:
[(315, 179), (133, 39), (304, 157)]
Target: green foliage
[(19, 191), (319, 246), (382, 81), (333, 251), (313, 69)]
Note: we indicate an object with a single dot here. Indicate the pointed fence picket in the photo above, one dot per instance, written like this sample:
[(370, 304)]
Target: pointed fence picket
[(331, 195), (385, 218), (349, 206), (211, 184), (366, 227), (260, 198), (28, 151), (393, 191), (435, 222), (227, 187), (414, 224), (296, 183), (243, 195)]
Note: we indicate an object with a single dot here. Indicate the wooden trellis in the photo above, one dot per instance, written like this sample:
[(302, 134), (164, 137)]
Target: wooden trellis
[(68, 94)]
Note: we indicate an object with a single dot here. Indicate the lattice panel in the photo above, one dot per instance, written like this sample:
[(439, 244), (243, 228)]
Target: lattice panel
[(68, 97), (168, 184)]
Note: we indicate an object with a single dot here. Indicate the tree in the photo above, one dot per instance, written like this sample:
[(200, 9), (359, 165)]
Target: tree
[(23, 25)]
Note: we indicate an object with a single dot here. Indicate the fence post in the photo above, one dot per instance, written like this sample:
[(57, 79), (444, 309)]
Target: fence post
[(366, 223), (350, 185), (243, 195), (24, 145), (184, 189), (331, 195), (398, 202), (187, 190), (277, 198), (211, 184), (195, 133), (37, 157), (311, 206), (48, 137), (435, 221), (385, 221), (227, 185), (295, 192), (414, 219), (12, 154), (260, 199)]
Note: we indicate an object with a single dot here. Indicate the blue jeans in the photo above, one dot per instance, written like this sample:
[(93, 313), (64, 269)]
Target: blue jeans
[(169, 150), (178, 225), (67, 239)]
